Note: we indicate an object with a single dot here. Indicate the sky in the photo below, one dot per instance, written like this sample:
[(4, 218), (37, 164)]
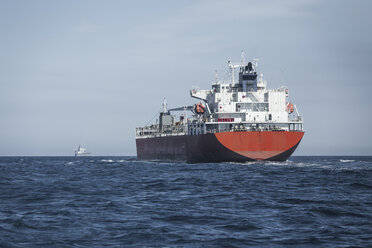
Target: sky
[(89, 72)]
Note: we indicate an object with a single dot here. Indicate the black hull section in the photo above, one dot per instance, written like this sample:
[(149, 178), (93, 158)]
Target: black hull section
[(203, 148), (162, 148), (206, 148)]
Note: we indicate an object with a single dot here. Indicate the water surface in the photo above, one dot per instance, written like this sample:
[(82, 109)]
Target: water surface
[(118, 201)]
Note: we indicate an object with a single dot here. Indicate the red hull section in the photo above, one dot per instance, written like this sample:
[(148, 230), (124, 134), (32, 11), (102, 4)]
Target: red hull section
[(259, 145), (221, 147)]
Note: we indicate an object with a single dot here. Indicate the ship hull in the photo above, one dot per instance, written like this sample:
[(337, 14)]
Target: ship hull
[(83, 155), (162, 148), (221, 147)]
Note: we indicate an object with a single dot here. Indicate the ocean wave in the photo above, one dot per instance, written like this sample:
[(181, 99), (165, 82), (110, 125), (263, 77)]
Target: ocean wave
[(346, 160), (360, 185), (132, 203), (107, 160)]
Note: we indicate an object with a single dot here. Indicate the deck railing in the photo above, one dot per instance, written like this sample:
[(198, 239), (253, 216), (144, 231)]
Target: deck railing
[(154, 130)]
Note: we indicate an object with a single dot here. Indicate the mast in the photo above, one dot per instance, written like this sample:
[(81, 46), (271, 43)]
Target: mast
[(237, 65), (165, 105)]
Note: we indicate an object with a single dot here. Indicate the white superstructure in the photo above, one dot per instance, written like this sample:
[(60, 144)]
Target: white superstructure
[(81, 151), (244, 103)]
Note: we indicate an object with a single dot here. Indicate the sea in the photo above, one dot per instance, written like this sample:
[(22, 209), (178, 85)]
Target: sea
[(122, 202)]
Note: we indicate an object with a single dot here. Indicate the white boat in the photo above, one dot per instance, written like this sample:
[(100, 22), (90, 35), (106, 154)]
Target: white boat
[(81, 151)]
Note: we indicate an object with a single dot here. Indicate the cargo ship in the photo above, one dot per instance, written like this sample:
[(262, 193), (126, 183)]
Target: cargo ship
[(237, 120)]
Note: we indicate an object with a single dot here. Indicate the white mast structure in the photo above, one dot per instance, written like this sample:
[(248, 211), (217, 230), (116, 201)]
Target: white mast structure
[(242, 63), (164, 105)]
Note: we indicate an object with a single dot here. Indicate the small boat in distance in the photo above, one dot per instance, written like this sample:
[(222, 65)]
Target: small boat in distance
[(81, 151)]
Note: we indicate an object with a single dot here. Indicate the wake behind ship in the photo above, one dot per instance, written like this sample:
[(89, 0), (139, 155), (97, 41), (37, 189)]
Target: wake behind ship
[(239, 120)]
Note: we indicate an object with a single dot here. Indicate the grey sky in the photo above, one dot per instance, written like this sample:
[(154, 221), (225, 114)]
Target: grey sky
[(89, 72)]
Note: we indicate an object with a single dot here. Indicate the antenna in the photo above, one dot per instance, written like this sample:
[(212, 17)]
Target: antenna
[(232, 70), (255, 61), (243, 58), (216, 76), (165, 105), (236, 65), (232, 75)]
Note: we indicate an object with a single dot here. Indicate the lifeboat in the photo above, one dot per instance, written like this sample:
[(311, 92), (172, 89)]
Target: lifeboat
[(289, 108), (199, 108)]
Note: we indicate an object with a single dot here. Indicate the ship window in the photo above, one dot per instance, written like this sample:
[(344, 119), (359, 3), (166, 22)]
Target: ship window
[(270, 117)]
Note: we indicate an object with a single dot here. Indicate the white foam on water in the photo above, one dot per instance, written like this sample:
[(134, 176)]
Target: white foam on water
[(243, 163), (346, 160), (107, 160), (289, 163), (278, 163)]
